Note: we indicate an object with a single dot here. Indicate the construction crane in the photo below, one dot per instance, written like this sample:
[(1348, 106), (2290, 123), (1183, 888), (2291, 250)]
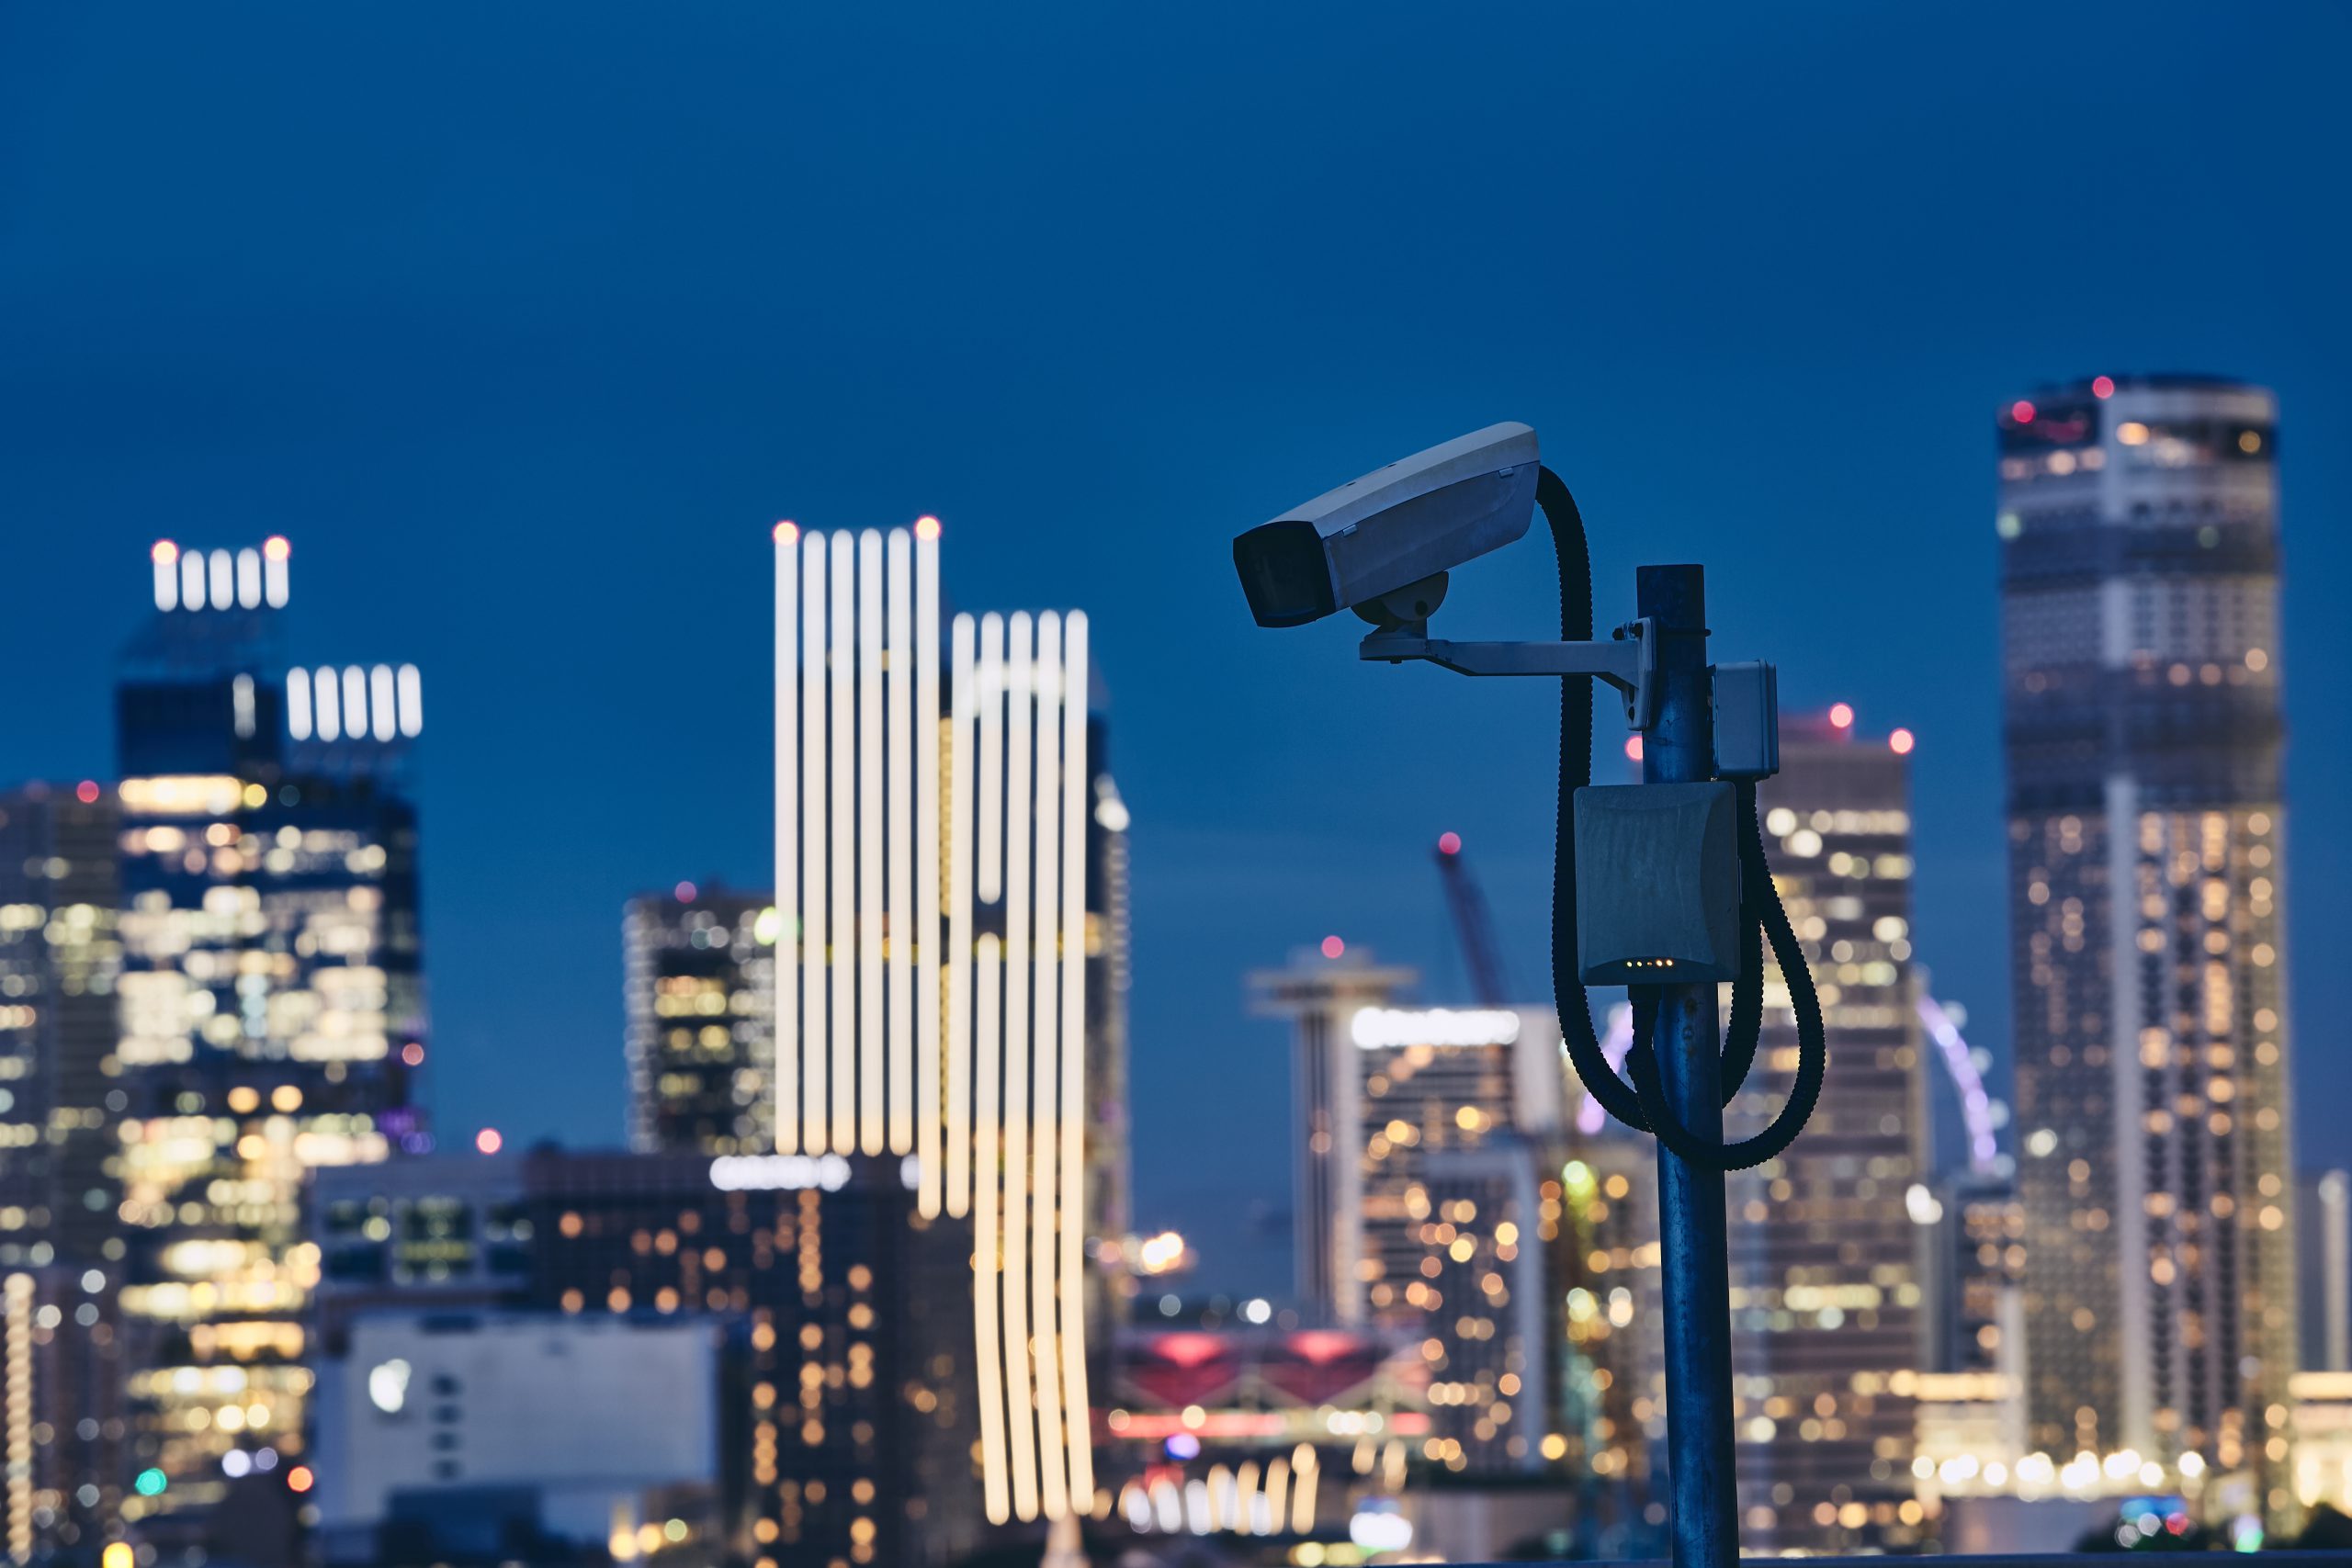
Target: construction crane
[(1474, 926)]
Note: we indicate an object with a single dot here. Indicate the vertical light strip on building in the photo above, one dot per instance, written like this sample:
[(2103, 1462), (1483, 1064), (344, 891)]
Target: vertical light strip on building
[(961, 750), (224, 579), (411, 696), (815, 929), (898, 940), (192, 579), (167, 557), (275, 552), (787, 1068), (323, 688), (1045, 683), (1019, 688), (924, 940), (1070, 1202), (298, 704), (870, 832), (843, 818), (989, 1360), (249, 579), (16, 1327), (382, 718), (988, 883), (354, 702)]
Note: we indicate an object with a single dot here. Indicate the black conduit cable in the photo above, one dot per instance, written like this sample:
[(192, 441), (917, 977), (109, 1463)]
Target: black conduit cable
[(1642, 1104), (1600, 1080)]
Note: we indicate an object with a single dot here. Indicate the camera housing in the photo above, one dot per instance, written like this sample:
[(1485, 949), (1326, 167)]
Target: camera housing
[(1382, 544)]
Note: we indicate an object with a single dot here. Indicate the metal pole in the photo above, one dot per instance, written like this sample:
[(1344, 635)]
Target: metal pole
[(1680, 748)]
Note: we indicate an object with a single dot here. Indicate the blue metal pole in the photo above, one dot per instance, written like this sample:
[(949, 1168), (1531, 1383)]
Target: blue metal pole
[(1679, 749)]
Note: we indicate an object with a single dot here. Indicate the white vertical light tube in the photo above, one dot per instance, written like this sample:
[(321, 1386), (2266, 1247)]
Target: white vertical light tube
[(1077, 782), (816, 932), (962, 697), (988, 1359), (274, 553), (899, 839), (924, 939), (870, 833), (241, 704), (1017, 888), (298, 704), (249, 579), (223, 577), (380, 715), (167, 557), (323, 689), (989, 882), (412, 695), (786, 1070), (1308, 1471), (1045, 809), (192, 579), (844, 820), (354, 702)]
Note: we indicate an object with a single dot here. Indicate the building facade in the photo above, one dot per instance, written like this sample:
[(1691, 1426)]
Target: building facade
[(699, 978), (847, 1423), (60, 960), (1426, 1137), (2139, 569), (271, 1004), (1823, 1268)]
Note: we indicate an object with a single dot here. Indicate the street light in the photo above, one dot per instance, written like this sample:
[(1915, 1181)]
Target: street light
[(1662, 887)]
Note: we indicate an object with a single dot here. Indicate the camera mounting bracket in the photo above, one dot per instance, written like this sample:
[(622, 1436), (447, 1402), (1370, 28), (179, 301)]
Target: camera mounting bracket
[(1629, 662)]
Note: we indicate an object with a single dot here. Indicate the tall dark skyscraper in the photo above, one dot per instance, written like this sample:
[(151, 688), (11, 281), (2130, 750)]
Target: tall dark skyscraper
[(2139, 588), (61, 1364), (1825, 1285), (271, 1000), (700, 994)]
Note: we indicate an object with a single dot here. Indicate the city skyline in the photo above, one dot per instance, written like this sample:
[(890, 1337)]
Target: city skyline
[(805, 454), (422, 375)]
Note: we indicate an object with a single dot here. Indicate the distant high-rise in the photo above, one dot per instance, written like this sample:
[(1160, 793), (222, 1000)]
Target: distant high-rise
[(272, 1007), (61, 1371), (951, 967), (2140, 587), (1426, 1134), (1824, 1274), (699, 978)]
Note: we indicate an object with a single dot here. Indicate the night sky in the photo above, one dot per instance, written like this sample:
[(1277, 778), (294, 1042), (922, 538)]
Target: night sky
[(525, 322)]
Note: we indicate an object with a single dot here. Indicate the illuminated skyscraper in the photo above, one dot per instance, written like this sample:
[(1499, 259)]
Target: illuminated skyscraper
[(2139, 568), (272, 1005), (951, 978), (700, 992), (61, 1363), (1824, 1268), (1426, 1133)]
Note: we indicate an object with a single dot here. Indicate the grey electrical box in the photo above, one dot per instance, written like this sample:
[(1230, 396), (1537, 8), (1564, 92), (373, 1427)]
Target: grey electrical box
[(1657, 883), (1747, 721)]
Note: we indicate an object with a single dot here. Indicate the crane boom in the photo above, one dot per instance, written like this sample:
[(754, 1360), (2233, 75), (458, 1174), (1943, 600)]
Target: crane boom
[(1473, 925)]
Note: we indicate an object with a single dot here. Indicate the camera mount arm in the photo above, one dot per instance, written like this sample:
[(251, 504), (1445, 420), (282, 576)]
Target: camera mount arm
[(1628, 663)]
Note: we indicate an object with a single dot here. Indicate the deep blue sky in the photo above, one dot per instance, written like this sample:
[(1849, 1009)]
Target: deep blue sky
[(524, 321)]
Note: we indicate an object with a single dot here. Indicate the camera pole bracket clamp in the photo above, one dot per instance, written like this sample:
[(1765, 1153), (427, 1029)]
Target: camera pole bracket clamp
[(1629, 662)]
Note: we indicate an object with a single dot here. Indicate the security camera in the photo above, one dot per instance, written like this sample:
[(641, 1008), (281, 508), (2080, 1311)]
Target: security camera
[(1382, 544)]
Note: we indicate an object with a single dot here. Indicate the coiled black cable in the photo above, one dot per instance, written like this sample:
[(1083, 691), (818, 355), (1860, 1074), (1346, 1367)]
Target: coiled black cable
[(1642, 1103)]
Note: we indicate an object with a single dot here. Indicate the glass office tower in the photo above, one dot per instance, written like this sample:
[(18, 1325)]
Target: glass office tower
[(1823, 1268), (272, 1005), (2140, 589)]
